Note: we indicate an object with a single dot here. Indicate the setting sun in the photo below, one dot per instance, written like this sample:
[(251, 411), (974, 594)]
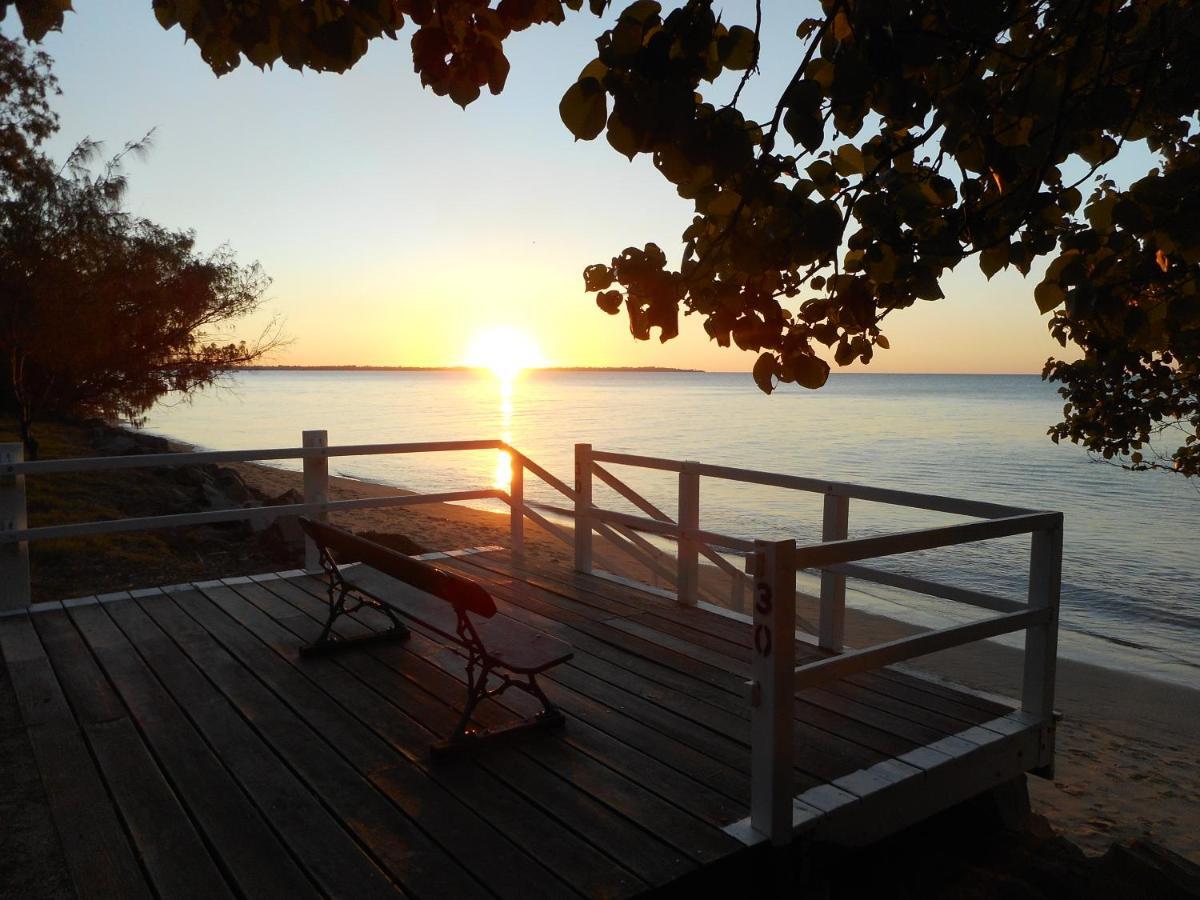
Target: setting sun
[(505, 351)]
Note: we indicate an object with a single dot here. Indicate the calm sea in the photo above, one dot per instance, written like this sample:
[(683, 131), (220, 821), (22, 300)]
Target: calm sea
[(1131, 572)]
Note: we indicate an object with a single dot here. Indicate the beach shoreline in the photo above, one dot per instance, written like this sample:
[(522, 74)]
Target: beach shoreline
[(1127, 745)]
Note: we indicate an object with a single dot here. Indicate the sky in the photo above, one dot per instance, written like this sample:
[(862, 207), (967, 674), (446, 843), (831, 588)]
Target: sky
[(398, 228)]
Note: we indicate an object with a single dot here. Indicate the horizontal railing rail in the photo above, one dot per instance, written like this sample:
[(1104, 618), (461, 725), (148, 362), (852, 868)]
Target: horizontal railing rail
[(932, 502), (929, 588), (236, 514), (201, 457), (315, 453), (853, 662), (814, 556)]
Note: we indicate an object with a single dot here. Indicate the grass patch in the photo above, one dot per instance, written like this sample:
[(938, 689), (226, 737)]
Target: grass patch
[(103, 563)]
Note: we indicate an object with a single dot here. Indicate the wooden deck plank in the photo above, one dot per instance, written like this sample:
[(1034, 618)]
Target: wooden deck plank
[(898, 696), (175, 857), (574, 810), (257, 862), (328, 853), (922, 701), (878, 728), (845, 710), (98, 854), (908, 697), (325, 759), (826, 753), (87, 691), (350, 768), (879, 732), (651, 859), (608, 718), (737, 631), (821, 752), (580, 585), (625, 794), (563, 689), (575, 861)]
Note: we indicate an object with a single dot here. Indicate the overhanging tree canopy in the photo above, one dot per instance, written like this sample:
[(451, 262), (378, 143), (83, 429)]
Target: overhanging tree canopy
[(912, 137)]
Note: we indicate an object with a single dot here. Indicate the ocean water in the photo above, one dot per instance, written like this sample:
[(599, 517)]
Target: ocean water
[(1131, 567)]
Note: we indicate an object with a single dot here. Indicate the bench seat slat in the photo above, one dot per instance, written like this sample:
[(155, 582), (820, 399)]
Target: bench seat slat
[(510, 643)]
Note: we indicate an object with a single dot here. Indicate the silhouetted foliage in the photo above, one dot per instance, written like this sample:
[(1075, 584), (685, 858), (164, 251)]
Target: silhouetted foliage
[(911, 137), (26, 119), (101, 312)]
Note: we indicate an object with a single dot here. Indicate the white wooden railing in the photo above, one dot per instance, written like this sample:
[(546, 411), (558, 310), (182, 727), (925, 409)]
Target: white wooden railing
[(15, 533), (771, 576)]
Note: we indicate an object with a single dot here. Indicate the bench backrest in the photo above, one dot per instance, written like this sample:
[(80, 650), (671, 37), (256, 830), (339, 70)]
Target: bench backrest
[(344, 547)]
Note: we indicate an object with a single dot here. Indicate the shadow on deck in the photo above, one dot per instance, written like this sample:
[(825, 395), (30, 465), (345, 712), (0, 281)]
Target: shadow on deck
[(186, 749)]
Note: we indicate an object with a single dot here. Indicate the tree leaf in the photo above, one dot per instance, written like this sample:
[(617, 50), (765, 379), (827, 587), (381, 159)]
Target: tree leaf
[(802, 120), (641, 11), (724, 203), (849, 160), (765, 370), (737, 48), (584, 109), (810, 371), (1048, 296), (609, 301), (621, 137), (993, 259), (597, 278)]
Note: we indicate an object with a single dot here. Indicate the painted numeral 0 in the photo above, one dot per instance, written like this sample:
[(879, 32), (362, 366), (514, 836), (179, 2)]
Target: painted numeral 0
[(763, 604)]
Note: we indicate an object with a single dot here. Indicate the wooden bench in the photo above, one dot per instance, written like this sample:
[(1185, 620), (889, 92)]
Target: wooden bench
[(447, 604)]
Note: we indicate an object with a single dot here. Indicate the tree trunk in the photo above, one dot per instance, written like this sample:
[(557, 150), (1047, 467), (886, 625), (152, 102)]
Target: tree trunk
[(25, 424)]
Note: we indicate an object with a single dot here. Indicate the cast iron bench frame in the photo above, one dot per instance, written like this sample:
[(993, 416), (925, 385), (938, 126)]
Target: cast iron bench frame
[(347, 596)]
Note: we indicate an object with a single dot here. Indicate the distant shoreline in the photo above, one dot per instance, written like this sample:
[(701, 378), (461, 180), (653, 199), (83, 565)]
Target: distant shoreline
[(618, 369), (461, 369)]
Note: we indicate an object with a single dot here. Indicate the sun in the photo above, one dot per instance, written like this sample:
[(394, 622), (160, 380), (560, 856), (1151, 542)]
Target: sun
[(506, 351)]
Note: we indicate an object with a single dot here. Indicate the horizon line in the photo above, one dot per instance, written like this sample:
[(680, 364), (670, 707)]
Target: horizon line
[(343, 367)]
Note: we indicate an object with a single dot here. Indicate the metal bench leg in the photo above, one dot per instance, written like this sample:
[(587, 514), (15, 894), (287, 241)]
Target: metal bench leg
[(549, 711), (327, 642), (476, 691), (465, 737)]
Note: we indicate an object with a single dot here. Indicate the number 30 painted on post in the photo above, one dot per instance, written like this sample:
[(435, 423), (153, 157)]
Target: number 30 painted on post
[(763, 604)]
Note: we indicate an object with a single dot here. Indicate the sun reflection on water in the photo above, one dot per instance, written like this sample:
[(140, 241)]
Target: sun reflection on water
[(507, 353), (502, 479)]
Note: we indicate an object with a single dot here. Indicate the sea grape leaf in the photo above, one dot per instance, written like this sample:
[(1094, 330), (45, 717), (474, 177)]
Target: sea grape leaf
[(584, 109)]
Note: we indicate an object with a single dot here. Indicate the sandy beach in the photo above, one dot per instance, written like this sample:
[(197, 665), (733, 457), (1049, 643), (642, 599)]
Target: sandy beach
[(1128, 747)]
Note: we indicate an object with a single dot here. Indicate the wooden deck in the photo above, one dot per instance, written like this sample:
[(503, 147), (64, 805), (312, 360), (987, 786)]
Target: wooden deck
[(187, 750)]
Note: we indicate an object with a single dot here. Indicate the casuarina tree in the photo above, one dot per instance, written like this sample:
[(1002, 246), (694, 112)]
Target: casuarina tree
[(101, 312)]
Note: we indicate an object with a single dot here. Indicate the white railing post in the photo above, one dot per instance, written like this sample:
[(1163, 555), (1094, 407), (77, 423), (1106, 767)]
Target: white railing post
[(771, 690), (516, 506), (14, 557), (583, 505), (832, 622), (687, 579), (1041, 641), (316, 489)]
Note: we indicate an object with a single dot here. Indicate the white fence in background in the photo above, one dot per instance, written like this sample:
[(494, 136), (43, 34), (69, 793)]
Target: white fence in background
[(771, 578)]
